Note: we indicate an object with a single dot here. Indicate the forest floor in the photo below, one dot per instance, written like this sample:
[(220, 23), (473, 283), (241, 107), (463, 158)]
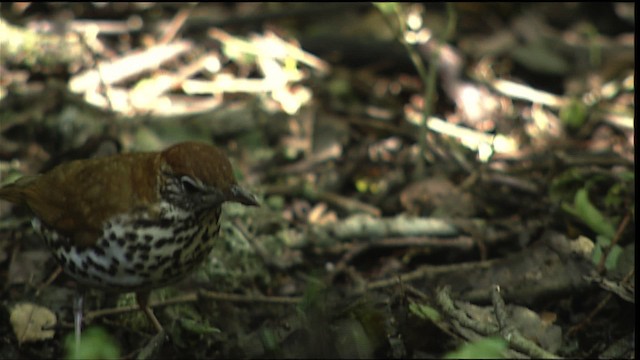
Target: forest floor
[(435, 179)]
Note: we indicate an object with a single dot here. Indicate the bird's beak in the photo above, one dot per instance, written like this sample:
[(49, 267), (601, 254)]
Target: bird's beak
[(241, 195)]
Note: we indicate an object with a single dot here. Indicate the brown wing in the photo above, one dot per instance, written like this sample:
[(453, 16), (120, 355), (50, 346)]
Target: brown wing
[(76, 198)]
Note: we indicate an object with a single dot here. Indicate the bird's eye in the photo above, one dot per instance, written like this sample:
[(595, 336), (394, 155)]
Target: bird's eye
[(189, 185)]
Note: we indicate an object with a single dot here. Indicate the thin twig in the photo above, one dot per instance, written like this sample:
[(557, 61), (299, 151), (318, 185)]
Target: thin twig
[(194, 296)]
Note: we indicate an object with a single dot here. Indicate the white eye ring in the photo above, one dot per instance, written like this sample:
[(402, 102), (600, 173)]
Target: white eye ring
[(189, 185)]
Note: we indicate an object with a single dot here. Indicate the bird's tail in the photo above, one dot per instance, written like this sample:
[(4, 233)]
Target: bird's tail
[(14, 192)]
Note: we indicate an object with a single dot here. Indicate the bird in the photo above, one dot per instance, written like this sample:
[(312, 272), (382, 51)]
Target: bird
[(131, 222)]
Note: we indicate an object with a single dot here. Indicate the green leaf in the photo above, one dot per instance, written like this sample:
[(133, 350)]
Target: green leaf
[(563, 186), (591, 216), (198, 327), (487, 348), (574, 114), (425, 312), (612, 258), (621, 191), (95, 343), (597, 254), (386, 7), (539, 57), (603, 241)]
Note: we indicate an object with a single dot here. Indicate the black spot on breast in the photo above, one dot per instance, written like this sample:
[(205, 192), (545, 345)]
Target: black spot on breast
[(176, 254), (153, 267), (171, 271), (121, 242), (164, 260), (178, 230), (113, 269), (88, 262), (62, 260), (131, 236), (101, 268), (160, 243), (139, 266), (99, 251), (129, 255), (144, 223), (148, 238), (130, 271), (189, 262)]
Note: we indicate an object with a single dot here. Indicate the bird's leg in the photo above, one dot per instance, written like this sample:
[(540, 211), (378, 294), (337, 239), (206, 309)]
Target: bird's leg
[(143, 303), (77, 315)]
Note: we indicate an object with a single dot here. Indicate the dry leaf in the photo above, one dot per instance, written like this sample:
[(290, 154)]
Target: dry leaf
[(31, 322)]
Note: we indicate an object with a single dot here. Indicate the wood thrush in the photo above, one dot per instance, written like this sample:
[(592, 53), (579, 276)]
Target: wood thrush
[(131, 222)]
